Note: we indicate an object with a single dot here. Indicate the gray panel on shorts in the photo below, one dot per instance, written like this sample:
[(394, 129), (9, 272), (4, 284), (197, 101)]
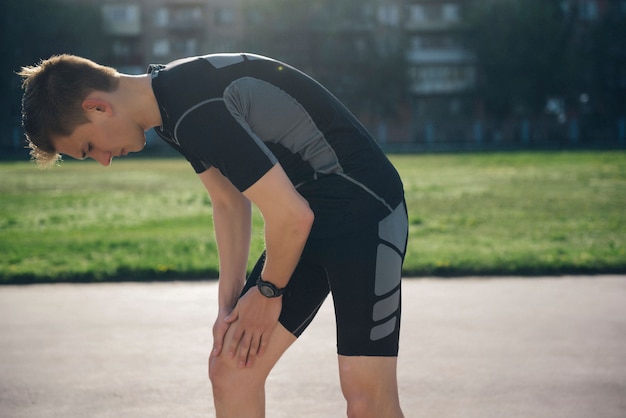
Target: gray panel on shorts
[(393, 232), (393, 228), (381, 331), (388, 270), (385, 307)]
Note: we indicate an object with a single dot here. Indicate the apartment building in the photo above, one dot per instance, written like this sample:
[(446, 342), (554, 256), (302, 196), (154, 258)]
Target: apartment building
[(441, 70), (438, 61), (147, 31)]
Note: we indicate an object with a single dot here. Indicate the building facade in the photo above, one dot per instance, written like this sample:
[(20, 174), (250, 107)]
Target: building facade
[(441, 70), (156, 31)]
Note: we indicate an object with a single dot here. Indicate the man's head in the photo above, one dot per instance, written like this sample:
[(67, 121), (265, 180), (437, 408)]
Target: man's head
[(52, 105)]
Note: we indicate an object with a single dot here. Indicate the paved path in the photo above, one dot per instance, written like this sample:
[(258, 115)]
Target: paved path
[(471, 348)]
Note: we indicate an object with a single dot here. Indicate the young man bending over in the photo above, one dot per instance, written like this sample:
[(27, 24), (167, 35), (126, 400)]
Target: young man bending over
[(257, 131)]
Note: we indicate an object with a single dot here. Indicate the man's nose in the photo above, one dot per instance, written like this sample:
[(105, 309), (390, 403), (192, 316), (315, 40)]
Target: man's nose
[(102, 157)]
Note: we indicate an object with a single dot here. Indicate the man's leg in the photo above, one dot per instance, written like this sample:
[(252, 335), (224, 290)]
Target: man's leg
[(365, 280), (370, 386), (240, 392)]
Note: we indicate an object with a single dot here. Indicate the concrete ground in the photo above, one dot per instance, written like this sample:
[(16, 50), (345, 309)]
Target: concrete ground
[(470, 348)]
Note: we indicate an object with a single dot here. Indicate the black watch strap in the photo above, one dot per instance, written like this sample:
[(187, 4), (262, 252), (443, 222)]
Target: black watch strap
[(268, 289)]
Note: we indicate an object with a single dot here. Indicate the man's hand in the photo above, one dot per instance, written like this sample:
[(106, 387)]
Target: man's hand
[(252, 322), (219, 332)]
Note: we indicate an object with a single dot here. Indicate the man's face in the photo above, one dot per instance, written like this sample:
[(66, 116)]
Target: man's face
[(104, 137)]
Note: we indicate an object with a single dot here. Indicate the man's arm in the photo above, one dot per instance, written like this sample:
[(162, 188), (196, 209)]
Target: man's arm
[(232, 223), (288, 219)]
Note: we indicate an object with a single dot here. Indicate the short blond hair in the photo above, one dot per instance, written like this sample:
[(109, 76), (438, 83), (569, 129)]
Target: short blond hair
[(52, 102)]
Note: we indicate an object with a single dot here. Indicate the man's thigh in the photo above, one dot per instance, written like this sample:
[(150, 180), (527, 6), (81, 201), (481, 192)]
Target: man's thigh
[(364, 271)]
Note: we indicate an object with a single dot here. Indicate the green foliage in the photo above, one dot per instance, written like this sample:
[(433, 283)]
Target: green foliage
[(470, 214), (36, 29), (606, 61)]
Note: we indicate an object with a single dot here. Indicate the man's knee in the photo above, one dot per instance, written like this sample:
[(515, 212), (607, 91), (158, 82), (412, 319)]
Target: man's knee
[(226, 376), (217, 373), (360, 406), (358, 394), (366, 404), (369, 386), (222, 374)]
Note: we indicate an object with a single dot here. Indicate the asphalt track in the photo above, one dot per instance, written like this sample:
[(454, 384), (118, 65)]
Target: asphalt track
[(470, 348)]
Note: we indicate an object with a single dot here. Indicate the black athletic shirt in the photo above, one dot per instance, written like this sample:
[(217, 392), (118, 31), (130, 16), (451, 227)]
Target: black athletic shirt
[(243, 113)]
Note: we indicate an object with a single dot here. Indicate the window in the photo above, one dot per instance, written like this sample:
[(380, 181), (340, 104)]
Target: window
[(389, 14), (416, 14), (161, 17), (224, 15), (185, 17), (121, 48), (188, 47), (122, 19), (432, 12), (451, 13), (161, 48)]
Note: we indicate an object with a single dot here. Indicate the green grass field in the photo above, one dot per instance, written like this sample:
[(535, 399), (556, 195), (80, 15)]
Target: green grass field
[(470, 214)]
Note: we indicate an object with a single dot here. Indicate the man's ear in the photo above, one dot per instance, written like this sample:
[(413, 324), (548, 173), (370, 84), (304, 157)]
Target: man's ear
[(91, 104)]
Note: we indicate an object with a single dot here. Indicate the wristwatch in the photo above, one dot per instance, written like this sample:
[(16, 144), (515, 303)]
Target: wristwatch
[(268, 289)]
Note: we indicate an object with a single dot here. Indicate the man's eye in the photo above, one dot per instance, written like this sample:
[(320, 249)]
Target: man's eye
[(86, 151)]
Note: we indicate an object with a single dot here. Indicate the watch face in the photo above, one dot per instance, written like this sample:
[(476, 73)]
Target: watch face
[(266, 291)]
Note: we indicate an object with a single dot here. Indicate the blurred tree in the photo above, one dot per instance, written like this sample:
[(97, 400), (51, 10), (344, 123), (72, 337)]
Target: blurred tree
[(32, 30), (525, 54), (340, 43), (605, 58)]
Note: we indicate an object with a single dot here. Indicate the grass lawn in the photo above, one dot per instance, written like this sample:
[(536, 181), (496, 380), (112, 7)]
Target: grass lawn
[(470, 214)]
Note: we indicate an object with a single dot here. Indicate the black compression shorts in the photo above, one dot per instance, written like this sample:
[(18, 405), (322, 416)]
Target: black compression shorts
[(363, 272)]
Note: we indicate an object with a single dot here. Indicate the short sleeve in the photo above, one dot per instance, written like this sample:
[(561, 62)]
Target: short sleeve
[(211, 136)]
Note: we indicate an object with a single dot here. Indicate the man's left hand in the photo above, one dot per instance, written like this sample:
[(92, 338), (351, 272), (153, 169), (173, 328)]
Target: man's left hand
[(252, 322)]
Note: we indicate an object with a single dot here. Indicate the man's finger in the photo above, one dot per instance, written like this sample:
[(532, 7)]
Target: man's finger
[(232, 317), (244, 350), (217, 348), (254, 350), (219, 330), (235, 341), (263, 344)]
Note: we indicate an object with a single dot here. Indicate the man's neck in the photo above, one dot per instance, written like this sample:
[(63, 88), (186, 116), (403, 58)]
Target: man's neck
[(136, 96)]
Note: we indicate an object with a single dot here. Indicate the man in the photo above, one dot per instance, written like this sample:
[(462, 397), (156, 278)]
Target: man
[(256, 131)]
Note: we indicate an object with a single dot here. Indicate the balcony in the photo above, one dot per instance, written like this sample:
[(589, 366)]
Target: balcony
[(442, 79), (432, 17), (180, 18), (439, 56)]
